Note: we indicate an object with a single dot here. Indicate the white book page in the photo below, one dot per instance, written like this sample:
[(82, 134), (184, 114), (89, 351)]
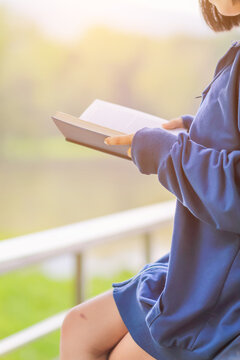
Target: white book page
[(121, 118)]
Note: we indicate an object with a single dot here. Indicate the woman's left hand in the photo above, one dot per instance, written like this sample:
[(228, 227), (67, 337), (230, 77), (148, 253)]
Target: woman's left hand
[(120, 140)]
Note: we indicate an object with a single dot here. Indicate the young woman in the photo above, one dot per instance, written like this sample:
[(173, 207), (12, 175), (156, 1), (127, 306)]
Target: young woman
[(185, 305)]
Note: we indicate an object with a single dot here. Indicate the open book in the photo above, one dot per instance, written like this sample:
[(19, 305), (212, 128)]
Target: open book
[(102, 119)]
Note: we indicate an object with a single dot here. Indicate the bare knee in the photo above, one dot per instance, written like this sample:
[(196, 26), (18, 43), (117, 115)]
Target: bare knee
[(69, 323), (70, 328), (94, 327), (75, 332)]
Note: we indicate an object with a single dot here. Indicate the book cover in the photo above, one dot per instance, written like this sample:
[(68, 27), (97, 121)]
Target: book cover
[(102, 119)]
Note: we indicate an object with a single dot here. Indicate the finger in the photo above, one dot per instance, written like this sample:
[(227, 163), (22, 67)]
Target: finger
[(172, 124), (119, 140), (129, 152)]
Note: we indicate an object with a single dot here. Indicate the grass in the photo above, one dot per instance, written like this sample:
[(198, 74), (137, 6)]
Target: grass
[(28, 296)]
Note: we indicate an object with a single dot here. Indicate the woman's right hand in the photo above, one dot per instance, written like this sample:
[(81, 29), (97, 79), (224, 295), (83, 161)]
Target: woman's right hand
[(173, 124)]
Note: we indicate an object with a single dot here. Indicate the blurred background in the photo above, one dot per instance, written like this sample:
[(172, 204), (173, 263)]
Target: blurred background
[(60, 55)]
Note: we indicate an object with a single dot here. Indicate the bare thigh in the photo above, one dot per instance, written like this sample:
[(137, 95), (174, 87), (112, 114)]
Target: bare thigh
[(94, 326), (127, 348)]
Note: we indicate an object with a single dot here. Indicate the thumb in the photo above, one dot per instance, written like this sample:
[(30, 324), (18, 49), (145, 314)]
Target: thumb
[(173, 124)]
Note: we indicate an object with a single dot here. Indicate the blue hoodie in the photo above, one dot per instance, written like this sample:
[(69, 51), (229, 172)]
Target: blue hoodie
[(186, 305)]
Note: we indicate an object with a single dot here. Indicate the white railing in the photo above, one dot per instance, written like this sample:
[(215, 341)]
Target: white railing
[(25, 250)]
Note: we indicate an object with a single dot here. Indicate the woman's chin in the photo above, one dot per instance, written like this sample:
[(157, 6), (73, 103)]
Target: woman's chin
[(228, 11)]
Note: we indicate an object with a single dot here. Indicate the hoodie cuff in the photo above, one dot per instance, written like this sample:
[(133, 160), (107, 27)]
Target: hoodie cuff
[(187, 120), (150, 148)]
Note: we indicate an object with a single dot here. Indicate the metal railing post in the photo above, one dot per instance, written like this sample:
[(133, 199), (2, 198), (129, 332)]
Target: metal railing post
[(147, 246), (79, 278)]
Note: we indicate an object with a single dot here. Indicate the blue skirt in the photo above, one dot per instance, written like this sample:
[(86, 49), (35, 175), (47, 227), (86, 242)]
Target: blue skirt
[(138, 300)]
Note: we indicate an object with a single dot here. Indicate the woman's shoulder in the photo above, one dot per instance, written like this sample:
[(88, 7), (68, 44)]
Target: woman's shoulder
[(217, 122), (230, 58)]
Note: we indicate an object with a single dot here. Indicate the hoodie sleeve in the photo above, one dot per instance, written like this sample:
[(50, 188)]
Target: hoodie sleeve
[(204, 180), (187, 120)]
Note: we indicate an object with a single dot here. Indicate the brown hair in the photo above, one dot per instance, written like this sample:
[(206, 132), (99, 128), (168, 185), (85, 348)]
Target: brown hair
[(215, 20)]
